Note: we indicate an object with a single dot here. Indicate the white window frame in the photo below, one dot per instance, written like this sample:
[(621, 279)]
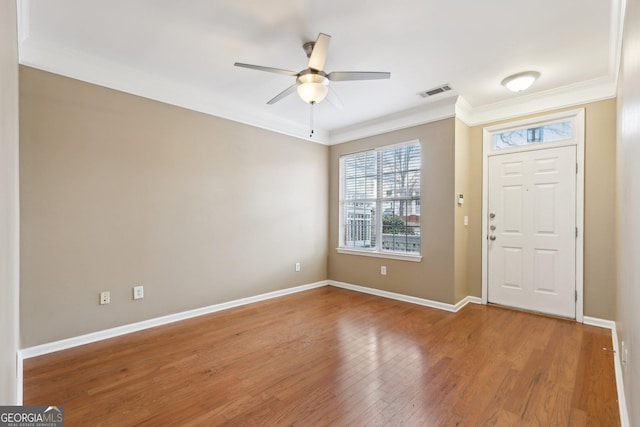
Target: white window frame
[(376, 252)]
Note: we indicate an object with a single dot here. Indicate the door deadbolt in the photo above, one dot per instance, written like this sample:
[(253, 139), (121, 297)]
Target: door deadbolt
[(492, 215), (493, 227)]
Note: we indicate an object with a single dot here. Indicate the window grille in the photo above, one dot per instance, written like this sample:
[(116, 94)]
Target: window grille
[(380, 199)]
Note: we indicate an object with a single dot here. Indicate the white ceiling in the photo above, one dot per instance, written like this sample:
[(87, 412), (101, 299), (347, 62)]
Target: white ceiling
[(183, 53)]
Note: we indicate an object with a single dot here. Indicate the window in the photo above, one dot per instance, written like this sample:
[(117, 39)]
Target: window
[(534, 135), (380, 200)]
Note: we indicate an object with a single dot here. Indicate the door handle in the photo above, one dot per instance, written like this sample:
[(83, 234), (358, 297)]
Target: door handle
[(492, 237)]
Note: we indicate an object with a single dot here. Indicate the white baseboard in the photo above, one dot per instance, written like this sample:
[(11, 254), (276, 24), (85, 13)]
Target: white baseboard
[(617, 359), (602, 323), (19, 377), (617, 363), (42, 349), (65, 344), (593, 321), (407, 298), (468, 300)]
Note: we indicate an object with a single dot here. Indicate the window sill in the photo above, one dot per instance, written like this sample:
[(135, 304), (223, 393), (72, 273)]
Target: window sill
[(387, 255)]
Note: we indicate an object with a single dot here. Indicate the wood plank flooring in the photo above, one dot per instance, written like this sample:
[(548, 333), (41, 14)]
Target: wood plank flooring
[(330, 357)]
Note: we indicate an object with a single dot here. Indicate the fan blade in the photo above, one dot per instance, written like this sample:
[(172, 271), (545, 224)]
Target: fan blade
[(288, 91), (319, 54), (334, 99), (268, 69), (341, 76)]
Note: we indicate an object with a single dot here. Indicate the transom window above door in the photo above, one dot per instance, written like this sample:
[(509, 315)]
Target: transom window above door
[(553, 130), (562, 131)]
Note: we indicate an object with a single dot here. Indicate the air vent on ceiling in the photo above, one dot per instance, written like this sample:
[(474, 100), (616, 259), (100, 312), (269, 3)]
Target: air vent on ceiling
[(434, 91)]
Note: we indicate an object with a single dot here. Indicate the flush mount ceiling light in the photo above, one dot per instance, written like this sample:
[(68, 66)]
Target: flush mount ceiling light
[(521, 81)]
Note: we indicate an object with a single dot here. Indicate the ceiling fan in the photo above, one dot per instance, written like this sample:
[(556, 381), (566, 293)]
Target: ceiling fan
[(312, 83)]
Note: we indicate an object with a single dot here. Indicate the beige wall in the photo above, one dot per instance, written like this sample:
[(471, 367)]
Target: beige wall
[(118, 191), (9, 243), (433, 277), (599, 212), (628, 189), (462, 186), (599, 233), (454, 164)]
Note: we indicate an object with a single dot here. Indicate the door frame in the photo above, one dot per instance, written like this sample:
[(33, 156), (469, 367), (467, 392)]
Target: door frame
[(577, 118)]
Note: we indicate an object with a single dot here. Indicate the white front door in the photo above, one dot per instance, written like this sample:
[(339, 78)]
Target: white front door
[(531, 242)]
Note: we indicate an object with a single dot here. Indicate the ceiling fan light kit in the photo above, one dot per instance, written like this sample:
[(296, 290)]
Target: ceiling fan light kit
[(312, 83), (313, 88), (520, 81)]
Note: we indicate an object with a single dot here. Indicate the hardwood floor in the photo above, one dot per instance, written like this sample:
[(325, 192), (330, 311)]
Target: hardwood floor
[(335, 357)]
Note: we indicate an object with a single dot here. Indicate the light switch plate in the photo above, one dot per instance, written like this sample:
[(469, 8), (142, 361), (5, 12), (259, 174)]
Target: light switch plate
[(138, 292)]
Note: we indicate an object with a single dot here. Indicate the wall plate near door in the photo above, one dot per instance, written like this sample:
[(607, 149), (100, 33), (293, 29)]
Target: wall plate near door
[(105, 297), (138, 292)]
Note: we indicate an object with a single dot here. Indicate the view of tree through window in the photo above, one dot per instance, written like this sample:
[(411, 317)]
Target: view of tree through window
[(547, 133), (380, 199)]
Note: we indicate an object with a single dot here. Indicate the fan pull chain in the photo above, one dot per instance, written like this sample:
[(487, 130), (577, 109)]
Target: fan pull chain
[(311, 120)]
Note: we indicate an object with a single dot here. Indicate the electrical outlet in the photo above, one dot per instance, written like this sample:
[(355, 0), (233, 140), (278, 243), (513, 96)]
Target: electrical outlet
[(383, 270), (105, 297), (138, 292), (297, 266)]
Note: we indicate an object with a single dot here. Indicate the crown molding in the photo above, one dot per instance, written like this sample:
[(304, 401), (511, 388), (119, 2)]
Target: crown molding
[(90, 69), (97, 71), (115, 76), (456, 106), (23, 19), (567, 96), (438, 109), (464, 110), (618, 9)]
